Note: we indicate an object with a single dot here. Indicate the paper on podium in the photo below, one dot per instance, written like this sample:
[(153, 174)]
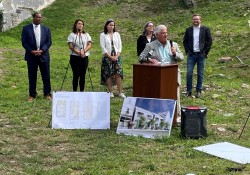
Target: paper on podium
[(81, 110), (162, 63)]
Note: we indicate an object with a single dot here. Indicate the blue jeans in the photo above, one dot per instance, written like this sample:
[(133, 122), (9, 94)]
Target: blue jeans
[(191, 61)]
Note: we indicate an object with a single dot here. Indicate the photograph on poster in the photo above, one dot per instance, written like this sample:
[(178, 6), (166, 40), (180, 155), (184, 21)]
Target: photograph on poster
[(61, 108), (74, 110), (148, 117)]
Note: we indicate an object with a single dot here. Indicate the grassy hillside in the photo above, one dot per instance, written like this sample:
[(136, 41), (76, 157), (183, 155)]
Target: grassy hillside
[(29, 146)]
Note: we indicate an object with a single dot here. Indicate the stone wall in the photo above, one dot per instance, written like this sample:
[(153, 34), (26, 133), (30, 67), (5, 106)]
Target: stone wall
[(190, 3), (12, 12)]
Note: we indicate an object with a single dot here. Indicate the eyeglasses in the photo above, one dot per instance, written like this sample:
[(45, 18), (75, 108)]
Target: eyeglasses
[(163, 33)]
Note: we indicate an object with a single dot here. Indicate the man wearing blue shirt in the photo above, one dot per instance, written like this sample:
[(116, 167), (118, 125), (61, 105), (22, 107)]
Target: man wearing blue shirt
[(163, 51)]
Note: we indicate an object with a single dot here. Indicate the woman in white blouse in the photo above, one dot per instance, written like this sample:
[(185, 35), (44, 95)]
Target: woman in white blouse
[(79, 43), (111, 71)]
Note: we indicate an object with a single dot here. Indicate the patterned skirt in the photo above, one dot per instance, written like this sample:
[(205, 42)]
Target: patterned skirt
[(109, 69)]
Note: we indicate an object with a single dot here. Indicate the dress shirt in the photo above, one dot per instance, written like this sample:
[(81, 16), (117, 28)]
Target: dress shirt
[(164, 52), (196, 39), (37, 31)]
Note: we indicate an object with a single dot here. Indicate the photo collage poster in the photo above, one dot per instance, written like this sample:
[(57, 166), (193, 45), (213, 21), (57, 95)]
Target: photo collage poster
[(148, 117)]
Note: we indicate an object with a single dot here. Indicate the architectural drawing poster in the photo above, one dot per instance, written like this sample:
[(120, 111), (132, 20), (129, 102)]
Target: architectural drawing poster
[(81, 110), (147, 117)]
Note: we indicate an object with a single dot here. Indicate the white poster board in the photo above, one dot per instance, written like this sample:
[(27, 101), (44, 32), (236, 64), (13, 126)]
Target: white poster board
[(81, 110), (148, 117), (228, 151)]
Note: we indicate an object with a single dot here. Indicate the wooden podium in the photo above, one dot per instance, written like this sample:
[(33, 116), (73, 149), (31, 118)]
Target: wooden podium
[(155, 81)]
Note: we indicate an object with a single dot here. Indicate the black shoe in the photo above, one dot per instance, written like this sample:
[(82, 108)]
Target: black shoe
[(188, 94), (198, 94)]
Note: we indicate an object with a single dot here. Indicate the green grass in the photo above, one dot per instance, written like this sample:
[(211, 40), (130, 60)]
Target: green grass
[(29, 146)]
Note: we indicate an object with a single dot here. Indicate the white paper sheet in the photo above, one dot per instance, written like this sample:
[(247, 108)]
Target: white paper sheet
[(228, 151), (81, 110)]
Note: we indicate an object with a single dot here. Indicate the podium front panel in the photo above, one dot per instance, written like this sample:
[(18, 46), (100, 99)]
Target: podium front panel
[(169, 78), (155, 81)]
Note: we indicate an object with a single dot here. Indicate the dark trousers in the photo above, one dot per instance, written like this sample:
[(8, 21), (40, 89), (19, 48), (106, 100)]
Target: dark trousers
[(79, 66), (44, 67)]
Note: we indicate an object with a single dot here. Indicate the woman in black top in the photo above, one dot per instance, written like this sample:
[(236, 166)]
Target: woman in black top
[(147, 36)]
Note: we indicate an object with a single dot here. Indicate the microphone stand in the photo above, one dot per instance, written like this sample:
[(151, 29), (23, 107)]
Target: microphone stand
[(90, 80), (244, 126), (79, 31), (64, 77), (80, 38), (68, 66), (67, 69)]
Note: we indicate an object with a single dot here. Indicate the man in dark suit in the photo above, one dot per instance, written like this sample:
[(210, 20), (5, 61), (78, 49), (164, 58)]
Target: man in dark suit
[(197, 42), (36, 40)]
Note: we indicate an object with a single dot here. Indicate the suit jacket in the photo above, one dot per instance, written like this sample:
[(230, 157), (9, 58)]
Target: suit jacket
[(153, 48), (205, 40), (29, 42)]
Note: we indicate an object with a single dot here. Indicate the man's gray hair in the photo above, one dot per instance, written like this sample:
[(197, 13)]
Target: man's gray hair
[(159, 28)]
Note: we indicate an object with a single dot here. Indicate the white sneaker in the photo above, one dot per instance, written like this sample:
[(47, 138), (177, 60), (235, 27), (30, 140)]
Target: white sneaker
[(112, 95), (122, 95)]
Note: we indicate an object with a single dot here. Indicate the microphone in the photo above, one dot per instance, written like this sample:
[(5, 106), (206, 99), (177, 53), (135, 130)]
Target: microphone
[(150, 53), (171, 43), (80, 52)]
